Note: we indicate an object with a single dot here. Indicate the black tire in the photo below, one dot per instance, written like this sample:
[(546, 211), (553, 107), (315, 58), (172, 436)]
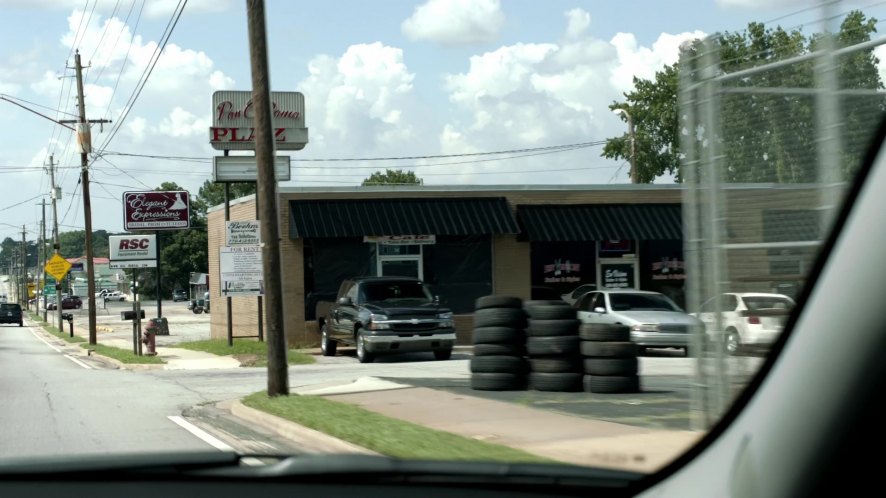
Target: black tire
[(611, 366), (327, 345), (544, 302), (498, 364), (498, 335), (559, 382), (498, 302), (498, 382), (500, 317), (552, 328), (609, 349), (499, 350), (548, 346), (550, 312), (611, 384), (555, 364), (362, 355), (604, 332), (442, 354)]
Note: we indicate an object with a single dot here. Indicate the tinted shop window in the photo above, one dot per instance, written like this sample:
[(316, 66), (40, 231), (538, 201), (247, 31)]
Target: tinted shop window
[(328, 262), (559, 267), (662, 268), (459, 270)]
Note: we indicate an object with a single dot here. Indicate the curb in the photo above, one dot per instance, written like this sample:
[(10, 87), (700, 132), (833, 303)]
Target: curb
[(119, 364), (311, 440)]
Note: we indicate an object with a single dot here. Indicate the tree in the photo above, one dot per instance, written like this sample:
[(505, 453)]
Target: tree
[(764, 137), (392, 177), (213, 194), (73, 244)]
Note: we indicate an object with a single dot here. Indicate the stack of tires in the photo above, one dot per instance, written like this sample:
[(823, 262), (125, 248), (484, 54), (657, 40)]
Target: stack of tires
[(610, 358), (499, 344), (552, 344)]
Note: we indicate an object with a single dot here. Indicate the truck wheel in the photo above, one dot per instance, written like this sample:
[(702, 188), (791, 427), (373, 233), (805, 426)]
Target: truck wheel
[(442, 354), (327, 346), (363, 355)]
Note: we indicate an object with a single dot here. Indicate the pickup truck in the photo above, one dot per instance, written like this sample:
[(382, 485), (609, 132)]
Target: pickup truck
[(387, 315)]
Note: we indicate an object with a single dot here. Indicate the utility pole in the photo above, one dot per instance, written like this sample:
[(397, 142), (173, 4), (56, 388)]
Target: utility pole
[(41, 274), (85, 141), (266, 198), (24, 272), (55, 244)]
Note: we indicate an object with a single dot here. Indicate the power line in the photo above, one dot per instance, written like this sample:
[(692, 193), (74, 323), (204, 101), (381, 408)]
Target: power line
[(124, 171), (22, 202), (126, 57), (105, 31), (36, 104), (79, 26)]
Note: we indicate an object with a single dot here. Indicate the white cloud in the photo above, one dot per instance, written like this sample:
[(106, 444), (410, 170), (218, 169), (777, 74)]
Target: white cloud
[(530, 95), (880, 53), (153, 8), (455, 22), (757, 4)]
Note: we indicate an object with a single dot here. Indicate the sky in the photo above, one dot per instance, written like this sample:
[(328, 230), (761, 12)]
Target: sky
[(392, 78)]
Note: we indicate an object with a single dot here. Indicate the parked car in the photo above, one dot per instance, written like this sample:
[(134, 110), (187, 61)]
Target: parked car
[(655, 320), (179, 295), (750, 320), (102, 293), (11, 313), (68, 303), (385, 315), (114, 296), (573, 296)]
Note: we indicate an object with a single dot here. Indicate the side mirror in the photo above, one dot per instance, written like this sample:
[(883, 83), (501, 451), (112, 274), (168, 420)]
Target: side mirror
[(345, 301), (598, 309)]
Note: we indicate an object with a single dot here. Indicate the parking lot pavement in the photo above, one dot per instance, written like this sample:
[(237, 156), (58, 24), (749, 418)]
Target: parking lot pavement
[(662, 404)]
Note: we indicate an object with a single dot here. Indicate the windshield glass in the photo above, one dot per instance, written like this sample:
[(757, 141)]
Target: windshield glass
[(509, 155), (641, 302)]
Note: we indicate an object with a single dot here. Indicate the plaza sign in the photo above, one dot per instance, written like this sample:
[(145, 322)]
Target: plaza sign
[(233, 120)]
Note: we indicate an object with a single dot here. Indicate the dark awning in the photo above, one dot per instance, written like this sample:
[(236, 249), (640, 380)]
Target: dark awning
[(585, 222), (412, 216)]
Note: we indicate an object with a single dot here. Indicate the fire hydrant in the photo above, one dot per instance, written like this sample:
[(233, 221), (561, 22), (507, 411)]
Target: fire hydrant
[(149, 332)]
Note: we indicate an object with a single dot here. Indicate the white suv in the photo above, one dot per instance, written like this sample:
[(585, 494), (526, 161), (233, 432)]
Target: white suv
[(750, 320)]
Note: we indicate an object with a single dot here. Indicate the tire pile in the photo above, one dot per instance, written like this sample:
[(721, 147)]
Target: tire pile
[(552, 344), (499, 345), (610, 358)]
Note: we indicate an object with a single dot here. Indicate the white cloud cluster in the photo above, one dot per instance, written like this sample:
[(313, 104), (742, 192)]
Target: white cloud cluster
[(455, 22)]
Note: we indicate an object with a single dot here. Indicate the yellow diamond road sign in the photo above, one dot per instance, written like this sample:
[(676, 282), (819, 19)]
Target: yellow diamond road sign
[(57, 267)]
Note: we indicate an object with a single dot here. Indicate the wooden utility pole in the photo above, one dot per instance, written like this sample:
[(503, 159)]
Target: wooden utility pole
[(84, 139), (266, 193), (41, 263), (24, 273), (55, 244)]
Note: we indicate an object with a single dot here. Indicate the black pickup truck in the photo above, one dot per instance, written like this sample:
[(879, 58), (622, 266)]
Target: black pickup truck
[(387, 315)]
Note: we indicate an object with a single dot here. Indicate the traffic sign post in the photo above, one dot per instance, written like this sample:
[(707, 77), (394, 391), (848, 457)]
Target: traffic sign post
[(58, 267)]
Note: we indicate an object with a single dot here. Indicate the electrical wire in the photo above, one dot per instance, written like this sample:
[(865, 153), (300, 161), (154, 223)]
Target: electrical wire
[(58, 111), (105, 31), (125, 58), (20, 203)]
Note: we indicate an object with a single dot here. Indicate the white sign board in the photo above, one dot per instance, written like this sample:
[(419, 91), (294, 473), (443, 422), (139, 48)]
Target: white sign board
[(408, 240), (233, 120), (228, 169), (123, 265), (132, 247), (241, 271), (242, 233)]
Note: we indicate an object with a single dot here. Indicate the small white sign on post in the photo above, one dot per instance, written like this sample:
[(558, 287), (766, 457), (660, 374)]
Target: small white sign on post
[(242, 233), (241, 271)]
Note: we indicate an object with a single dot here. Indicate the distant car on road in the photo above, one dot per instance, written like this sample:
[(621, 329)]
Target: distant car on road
[(179, 295), (654, 319), (11, 313), (750, 320), (115, 296)]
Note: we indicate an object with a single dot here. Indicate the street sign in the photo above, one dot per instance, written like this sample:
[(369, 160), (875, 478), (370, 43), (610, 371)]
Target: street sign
[(233, 121), (242, 233), (57, 266), (241, 271), (156, 210), (77, 266)]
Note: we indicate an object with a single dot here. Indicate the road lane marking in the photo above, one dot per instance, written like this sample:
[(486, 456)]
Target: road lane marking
[(210, 439), (57, 350), (75, 360)]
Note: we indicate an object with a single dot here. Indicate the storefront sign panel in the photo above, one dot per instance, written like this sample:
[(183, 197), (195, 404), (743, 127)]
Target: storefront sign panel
[(156, 210), (242, 233), (233, 120), (406, 240), (241, 271), (132, 247), (617, 275)]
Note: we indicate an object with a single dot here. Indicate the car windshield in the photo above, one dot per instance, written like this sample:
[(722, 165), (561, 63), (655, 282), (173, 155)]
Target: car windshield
[(493, 171), (641, 302), (394, 291)]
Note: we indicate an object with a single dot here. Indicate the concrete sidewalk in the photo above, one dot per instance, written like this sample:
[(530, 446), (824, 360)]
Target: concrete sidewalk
[(550, 434)]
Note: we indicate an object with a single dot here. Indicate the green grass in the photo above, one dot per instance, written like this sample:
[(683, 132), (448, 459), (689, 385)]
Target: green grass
[(123, 355), (382, 434), (54, 330), (244, 347)]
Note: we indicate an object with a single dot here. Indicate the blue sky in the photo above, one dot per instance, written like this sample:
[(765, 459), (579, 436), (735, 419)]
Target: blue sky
[(384, 78)]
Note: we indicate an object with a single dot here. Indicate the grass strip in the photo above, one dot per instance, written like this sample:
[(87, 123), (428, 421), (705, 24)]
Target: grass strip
[(54, 330), (382, 434), (243, 347), (124, 355)]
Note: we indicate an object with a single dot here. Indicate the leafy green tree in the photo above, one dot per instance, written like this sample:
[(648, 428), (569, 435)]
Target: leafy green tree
[(392, 177), (764, 136), (213, 194)]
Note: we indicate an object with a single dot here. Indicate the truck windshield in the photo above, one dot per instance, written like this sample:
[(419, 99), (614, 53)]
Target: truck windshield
[(391, 291)]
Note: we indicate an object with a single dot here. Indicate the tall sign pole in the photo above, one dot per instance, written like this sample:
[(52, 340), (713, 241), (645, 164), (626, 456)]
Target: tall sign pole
[(266, 193)]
